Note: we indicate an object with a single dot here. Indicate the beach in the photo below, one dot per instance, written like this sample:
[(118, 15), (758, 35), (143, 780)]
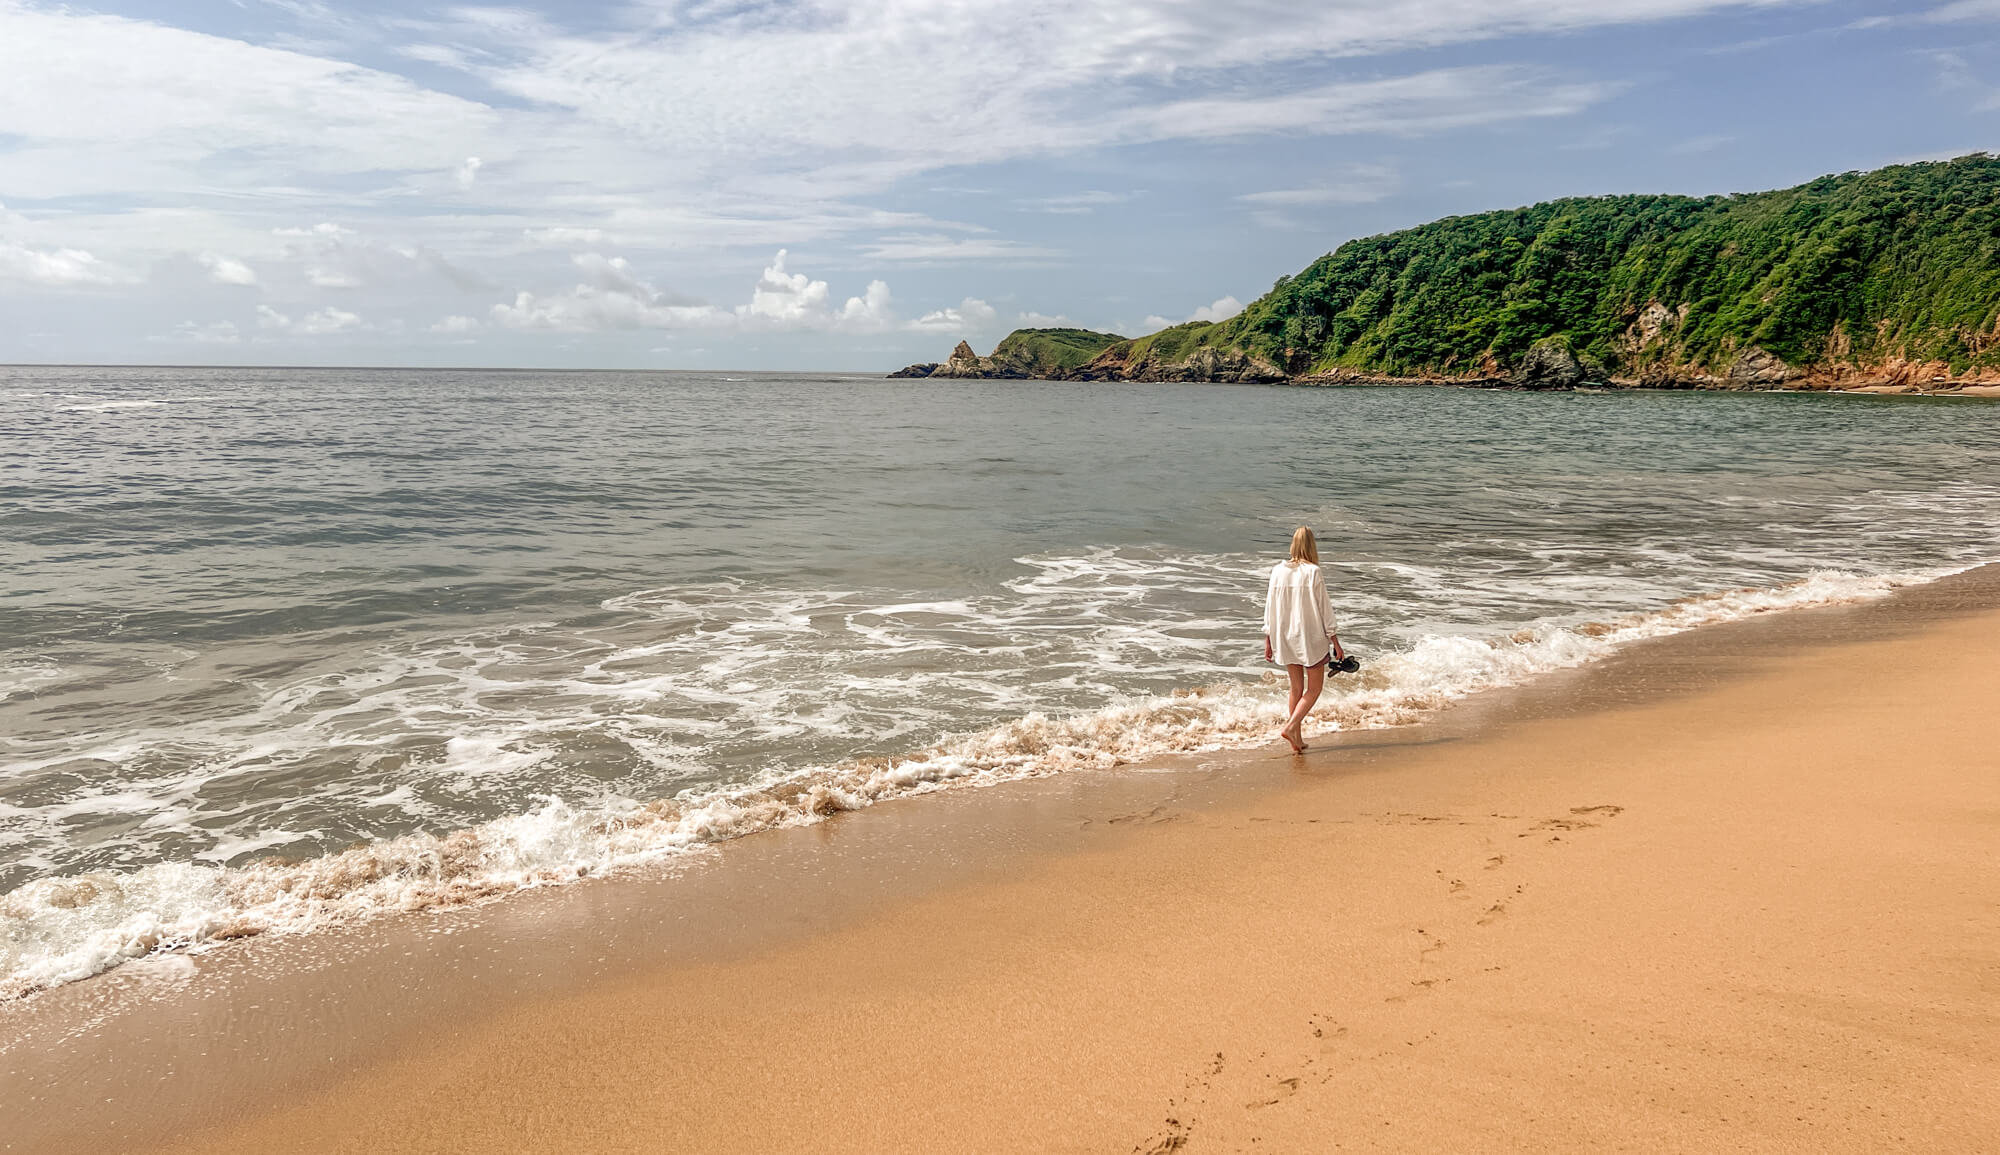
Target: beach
[(1727, 890), (495, 655)]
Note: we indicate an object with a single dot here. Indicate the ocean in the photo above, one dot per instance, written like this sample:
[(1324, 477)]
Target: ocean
[(286, 648)]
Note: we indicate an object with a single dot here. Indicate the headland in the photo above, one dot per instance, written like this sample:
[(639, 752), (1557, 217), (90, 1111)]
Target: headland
[(1881, 281)]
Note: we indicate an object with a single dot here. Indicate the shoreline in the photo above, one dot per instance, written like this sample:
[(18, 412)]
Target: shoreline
[(1976, 389), (173, 908), (810, 919)]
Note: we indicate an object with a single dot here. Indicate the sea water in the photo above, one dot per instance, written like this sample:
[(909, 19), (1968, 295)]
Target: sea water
[(283, 648)]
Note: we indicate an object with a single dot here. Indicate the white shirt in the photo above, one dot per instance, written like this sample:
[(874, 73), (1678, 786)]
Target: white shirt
[(1298, 614)]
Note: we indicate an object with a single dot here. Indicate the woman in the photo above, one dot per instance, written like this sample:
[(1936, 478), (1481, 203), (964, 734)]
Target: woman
[(1298, 630)]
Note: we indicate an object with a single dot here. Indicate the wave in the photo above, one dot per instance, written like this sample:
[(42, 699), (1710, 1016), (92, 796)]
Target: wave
[(61, 929), (119, 405)]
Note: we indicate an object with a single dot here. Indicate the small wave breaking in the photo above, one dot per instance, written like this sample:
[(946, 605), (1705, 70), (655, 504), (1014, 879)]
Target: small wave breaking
[(60, 929)]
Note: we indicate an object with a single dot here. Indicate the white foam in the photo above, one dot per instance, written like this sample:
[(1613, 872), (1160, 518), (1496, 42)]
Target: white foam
[(111, 406), (56, 930), (127, 404)]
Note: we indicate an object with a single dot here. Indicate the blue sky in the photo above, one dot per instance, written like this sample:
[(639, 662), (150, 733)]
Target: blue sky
[(856, 184)]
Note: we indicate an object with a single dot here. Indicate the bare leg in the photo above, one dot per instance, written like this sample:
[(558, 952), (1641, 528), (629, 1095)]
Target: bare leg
[(1302, 703), (1297, 674)]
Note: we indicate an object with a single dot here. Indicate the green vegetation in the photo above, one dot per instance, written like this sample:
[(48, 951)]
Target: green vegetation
[(1051, 352), (1853, 269)]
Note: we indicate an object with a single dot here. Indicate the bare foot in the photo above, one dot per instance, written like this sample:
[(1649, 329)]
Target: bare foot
[(1297, 741)]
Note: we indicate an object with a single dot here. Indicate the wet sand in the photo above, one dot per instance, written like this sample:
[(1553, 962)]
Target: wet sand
[(1731, 890)]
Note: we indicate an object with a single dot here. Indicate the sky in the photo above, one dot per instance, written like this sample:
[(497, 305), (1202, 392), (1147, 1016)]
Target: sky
[(853, 185)]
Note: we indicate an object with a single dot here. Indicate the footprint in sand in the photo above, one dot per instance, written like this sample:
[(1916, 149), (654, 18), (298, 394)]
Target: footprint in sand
[(1281, 1090), (1575, 821), (1499, 908), (1418, 987), (1181, 1121), (1157, 814)]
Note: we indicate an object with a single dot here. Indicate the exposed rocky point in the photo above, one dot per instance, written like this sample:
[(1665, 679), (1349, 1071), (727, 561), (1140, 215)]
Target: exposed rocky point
[(1549, 364)]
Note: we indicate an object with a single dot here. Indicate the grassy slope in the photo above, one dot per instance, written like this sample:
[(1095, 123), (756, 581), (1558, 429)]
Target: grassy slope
[(1046, 350), (1858, 267)]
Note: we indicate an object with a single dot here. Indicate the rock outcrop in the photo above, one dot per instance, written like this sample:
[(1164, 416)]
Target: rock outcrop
[(1549, 364), (963, 364), (1756, 368), (1045, 354)]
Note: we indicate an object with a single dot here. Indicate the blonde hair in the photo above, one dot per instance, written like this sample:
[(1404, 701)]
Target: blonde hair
[(1304, 546)]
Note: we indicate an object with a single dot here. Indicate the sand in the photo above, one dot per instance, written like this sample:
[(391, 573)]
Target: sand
[(1739, 892)]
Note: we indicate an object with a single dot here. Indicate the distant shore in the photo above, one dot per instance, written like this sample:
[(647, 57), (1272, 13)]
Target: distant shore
[(1080, 355), (1728, 890)]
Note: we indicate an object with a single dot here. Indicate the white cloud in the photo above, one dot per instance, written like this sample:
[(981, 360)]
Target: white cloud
[(785, 298), (457, 325), (563, 236), (1966, 10), (216, 333), (1219, 310), (228, 270), (972, 315), (65, 267), (1361, 184), (613, 296), (333, 256), (329, 320), (870, 310), (778, 103), (940, 249), (800, 86), (106, 104), (1077, 203), (315, 324), (1435, 101)]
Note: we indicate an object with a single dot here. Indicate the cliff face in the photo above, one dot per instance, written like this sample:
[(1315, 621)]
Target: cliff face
[(1885, 280)]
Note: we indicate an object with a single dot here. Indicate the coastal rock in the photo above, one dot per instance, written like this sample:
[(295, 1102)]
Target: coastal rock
[(1025, 354), (1757, 368), (1549, 364), (963, 362)]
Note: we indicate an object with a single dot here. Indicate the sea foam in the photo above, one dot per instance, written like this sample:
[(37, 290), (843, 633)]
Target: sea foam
[(59, 929)]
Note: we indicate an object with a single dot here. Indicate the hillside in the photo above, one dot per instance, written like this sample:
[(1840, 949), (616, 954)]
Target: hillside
[(1884, 277), (1024, 353)]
